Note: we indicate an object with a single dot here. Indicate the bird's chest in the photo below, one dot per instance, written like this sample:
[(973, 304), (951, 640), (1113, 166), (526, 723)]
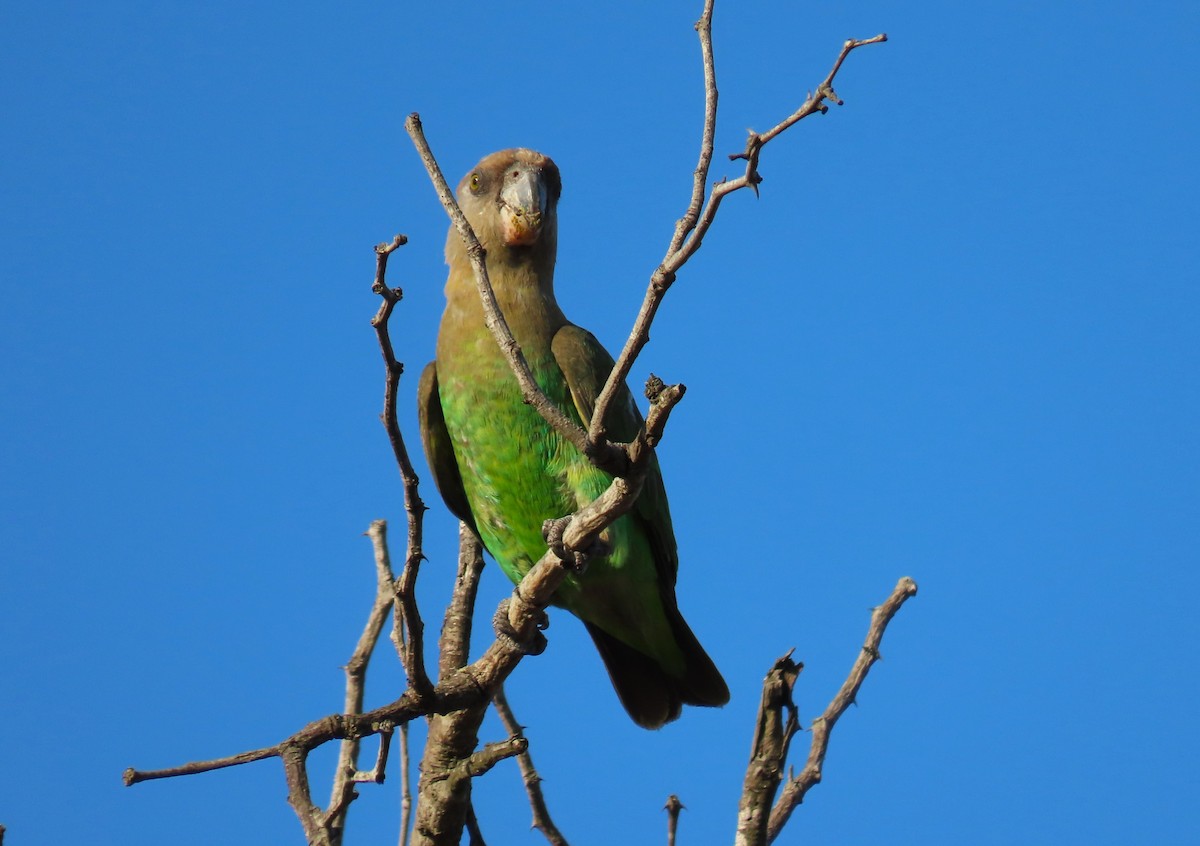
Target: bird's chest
[(517, 471)]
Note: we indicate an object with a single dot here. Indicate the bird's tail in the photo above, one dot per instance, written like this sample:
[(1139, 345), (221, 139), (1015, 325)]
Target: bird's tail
[(651, 695)]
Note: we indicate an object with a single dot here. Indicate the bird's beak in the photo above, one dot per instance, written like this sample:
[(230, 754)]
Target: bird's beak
[(522, 206)]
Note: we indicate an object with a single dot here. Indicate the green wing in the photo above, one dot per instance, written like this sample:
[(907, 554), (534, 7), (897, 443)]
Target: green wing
[(650, 693), (439, 452), (586, 365)]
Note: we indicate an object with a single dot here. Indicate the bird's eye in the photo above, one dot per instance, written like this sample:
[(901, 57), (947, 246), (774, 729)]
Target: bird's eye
[(476, 182)]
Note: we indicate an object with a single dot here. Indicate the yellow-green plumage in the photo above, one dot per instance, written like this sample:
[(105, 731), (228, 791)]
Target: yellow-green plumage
[(504, 470)]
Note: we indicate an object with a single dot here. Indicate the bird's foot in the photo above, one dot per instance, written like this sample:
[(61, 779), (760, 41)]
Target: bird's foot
[(552, 534), (576, 562), (521, 625)]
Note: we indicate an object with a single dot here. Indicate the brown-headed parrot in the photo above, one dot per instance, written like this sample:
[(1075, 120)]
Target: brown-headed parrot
[(503, 470)]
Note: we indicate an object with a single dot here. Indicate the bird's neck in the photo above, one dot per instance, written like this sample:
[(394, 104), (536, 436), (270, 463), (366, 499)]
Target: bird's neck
[(524, 291)]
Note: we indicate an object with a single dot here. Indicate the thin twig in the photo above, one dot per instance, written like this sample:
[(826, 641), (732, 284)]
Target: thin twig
[(413, 657), (356, 668), (405, 787), (793, 792), (391, 296), (690, 230), (815, 102), (378, 535), (455, 644), (473, 833), (529, 774), (376, 774), (673, 807), (377, 532), (407, 630), (414, 638), (700, 176), (492, 754), (132, 776), (660, 281)]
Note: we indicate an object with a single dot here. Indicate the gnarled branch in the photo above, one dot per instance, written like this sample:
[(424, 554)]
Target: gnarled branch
[(758, 826), (794, 790)]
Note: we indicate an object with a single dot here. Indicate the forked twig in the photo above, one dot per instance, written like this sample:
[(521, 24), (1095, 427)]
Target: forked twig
[(414, 651), (696, 221), (758, 822), (347, 775), (794, 790)]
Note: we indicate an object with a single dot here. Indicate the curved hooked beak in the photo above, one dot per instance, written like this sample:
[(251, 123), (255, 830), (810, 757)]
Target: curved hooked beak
[(522, 206)]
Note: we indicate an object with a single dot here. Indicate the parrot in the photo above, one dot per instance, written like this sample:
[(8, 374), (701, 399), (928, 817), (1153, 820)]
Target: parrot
[(503, 470)]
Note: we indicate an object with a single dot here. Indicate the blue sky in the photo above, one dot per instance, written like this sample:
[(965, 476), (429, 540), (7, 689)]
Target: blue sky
[(954, 339)]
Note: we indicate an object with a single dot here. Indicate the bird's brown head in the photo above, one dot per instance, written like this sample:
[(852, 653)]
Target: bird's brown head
[(510, 199)]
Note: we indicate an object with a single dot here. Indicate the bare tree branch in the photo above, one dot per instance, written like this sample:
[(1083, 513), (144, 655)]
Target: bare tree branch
[(492, 754), (794, 790), (447, 766), (444, 793), (378, 772), (448, 763), (295, 766), (413, 640), (473, 833), (405, 787), (529, 774), (814, 103), (132, 776), (346, 774), (455, 644), (473, 683), (378, 535), (673, 807), (691, 229), (700, 176), (413, 658), (639, 335), (768, 751), (447, 771), (456, 704)]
